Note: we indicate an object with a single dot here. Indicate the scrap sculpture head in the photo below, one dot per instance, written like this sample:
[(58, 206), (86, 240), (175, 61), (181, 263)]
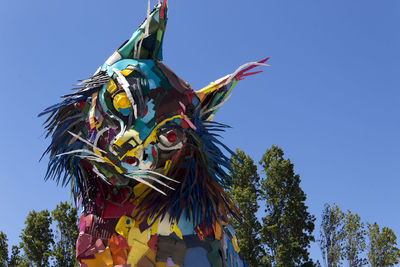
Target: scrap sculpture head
[(135, 140)]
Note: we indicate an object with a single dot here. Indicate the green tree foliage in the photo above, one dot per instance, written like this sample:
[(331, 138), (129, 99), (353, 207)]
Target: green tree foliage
[(37, 238), (310, 263), (3, 249), (331, 235), (15, 259), (288, 226), (244, 193), (354, 239), (66, 219), (382, 246)]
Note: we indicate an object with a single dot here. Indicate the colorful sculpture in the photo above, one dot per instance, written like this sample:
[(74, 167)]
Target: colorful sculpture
[(139, 149)]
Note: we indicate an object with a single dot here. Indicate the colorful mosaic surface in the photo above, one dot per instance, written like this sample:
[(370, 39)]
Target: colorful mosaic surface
[(142, 156)]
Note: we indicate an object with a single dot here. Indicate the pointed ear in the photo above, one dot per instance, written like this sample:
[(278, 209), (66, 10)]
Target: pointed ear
[(213, 96), (146, 41)]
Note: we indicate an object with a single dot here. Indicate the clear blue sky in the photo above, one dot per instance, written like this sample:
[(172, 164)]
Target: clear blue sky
[(330, 99)]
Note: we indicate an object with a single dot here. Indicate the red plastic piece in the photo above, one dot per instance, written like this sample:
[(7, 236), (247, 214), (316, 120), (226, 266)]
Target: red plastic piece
[(171, 136)]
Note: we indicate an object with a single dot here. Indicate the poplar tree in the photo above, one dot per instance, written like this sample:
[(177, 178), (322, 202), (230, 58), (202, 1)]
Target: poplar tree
[(382, 246), (245, 194), (288, 226), (331, 235), (15, 258), (3, 249), (354, 239), (37, 238), (65, 217)]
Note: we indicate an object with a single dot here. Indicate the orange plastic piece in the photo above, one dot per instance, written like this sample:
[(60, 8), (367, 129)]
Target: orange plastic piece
[(118, 249), (217, 231), (103, 259)]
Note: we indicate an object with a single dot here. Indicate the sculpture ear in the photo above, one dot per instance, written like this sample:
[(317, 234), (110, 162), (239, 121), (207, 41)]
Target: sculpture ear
[(213, 96), (146, 41)]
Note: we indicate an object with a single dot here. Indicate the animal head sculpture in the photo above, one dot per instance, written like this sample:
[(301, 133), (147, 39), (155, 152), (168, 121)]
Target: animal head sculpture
[(135, 131)]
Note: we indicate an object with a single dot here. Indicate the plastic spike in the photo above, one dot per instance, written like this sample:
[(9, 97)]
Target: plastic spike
[(162, 13), (252, 67), (241, 77)]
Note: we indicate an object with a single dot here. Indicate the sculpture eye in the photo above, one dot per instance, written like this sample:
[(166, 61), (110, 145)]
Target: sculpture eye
[(131, 161), (170, 138), (122, 104)]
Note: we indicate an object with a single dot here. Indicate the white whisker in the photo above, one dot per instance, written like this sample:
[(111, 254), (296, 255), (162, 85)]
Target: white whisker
[(78, 151), (137, 178), (156, 180), (99, 134), (86, 142), (91, 158), (159, 174), (96, 171)]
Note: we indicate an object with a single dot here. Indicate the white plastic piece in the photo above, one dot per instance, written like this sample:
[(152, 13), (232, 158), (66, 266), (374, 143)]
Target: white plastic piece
[(242, 67), (164, 226), (114, 58)]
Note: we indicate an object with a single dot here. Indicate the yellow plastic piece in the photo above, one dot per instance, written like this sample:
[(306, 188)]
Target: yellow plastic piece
[(167, 166), (92, 121), (126, 72), (124, 224), (136, 143), (128, 135), (165, 228), (136, 152), (140, 191), (235, 244), (137, 251), (121, 101), (111, 86), (98, 125), (111, 163), (152, 135), (103, 259), (176, 230), (154, 227), (213, 86), (138, 244)]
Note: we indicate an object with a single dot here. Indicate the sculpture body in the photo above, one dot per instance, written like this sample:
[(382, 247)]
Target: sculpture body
[(141, 153)]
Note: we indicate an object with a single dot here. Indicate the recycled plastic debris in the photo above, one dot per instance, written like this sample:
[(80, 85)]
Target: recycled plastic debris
[(140, 150)]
